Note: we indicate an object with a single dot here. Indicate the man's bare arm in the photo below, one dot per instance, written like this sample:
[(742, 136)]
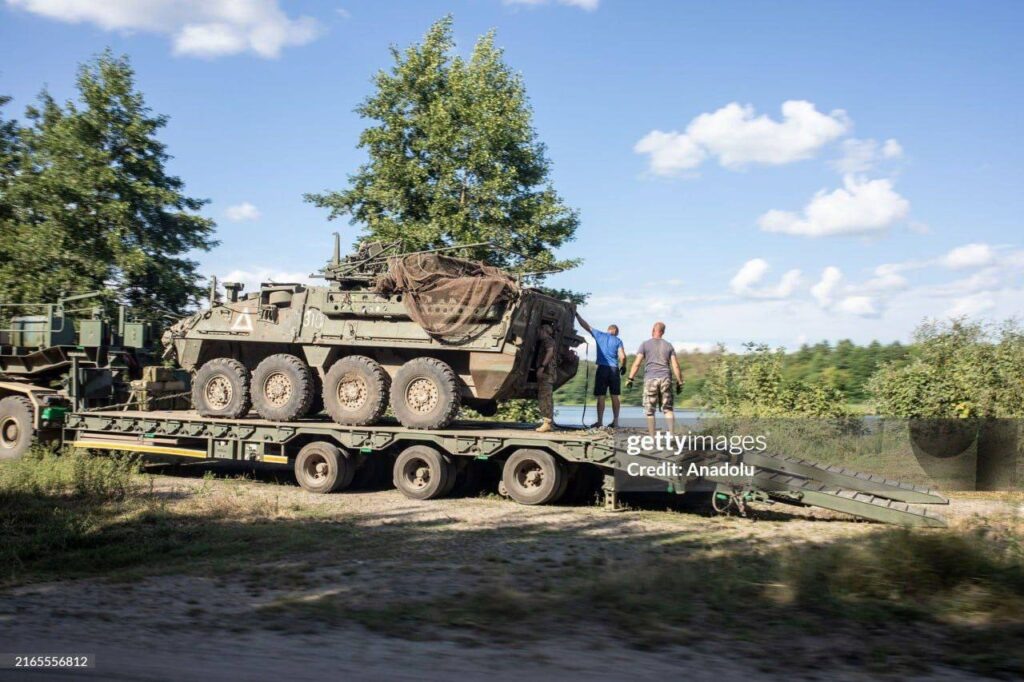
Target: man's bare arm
[(636, 365), (677, 370), (622, 357), (583, 323)]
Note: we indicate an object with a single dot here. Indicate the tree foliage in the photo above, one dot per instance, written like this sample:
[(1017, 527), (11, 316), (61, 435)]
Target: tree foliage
[(91, 204), (752, 384), (957, 369), (454, 159)]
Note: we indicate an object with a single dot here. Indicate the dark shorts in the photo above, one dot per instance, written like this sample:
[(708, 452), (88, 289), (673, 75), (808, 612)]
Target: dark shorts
[(607, 380)]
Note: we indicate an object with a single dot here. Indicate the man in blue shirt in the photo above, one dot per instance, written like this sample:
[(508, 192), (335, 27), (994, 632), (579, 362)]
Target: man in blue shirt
[(611, 365)]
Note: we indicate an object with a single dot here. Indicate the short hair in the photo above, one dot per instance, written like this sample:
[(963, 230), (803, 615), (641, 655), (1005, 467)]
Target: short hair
[(660, 327), (613, 329)]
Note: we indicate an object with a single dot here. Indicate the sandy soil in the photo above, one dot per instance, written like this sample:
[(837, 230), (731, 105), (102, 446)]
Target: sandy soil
[(202, 627)]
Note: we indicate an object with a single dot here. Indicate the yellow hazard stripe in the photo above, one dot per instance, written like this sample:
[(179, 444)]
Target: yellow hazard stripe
[(276, 459), (133, 447)]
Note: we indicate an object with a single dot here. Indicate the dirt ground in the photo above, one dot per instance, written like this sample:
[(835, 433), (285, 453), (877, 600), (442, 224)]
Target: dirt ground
[(287, 617)]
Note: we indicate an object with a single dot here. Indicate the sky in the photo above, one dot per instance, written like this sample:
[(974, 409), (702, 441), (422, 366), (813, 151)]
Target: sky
[(778, 172)]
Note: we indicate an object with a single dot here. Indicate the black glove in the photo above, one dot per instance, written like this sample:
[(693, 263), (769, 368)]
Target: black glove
[(629, 383), (622, 370), (679, 387)]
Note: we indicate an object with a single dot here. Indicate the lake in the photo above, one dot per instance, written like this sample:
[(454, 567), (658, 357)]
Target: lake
[(572, 415)]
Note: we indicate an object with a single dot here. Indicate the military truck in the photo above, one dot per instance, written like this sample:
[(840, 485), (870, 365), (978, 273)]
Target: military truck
[(422, 332)]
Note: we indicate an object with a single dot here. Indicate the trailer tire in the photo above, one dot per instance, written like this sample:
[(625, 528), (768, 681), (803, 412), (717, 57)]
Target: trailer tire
[(422, 473), (282, 388), (221, 389), (16, 426), (355, 391), (425, 394), (322, 467), (533, 476)]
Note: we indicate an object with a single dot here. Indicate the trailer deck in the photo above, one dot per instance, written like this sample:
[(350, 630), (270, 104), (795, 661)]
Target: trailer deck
[(777, 478)]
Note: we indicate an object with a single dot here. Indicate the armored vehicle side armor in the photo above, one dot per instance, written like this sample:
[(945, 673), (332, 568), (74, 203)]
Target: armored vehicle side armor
[(421, 332)]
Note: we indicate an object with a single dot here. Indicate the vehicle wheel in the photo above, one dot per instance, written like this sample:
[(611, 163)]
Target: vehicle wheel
[(582, 486), (533, 476), (422, 473), (16, 431), (425, 394), (323, 468), (221, 389), (356, 391), (282, 388)]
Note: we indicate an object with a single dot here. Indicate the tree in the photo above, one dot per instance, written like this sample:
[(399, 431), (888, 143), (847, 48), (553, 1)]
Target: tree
[(454, 159), (93, 204)]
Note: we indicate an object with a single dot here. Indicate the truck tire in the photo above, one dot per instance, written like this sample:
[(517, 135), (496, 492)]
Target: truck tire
[(533, 476), (322, 468), (282, 388), (356, 391), (422, 473), (221, 389), (425, 394), (16, 430), (316, 406)]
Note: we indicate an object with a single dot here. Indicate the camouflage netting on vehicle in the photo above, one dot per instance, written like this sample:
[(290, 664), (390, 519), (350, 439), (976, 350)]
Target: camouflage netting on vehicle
[(444, 295)]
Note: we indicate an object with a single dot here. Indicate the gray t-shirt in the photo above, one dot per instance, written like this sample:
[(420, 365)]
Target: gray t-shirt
[(657, 356)]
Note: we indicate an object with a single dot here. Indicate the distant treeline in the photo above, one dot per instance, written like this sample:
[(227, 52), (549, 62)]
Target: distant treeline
[(845, 366)]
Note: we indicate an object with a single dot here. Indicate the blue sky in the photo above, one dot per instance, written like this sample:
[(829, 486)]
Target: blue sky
[(777, 172)]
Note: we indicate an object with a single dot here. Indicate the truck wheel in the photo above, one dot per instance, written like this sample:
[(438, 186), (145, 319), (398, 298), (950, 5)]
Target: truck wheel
[(422, 473), (16, 432), (322, 467), (316, 406), (356, 391), (533, 476), (425, 394), (282, 388), (221, 389)]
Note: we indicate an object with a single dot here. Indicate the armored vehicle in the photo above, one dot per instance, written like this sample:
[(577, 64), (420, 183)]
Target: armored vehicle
[(422, 332)]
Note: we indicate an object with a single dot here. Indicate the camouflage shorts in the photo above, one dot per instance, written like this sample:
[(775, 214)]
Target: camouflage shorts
[(657, 395)]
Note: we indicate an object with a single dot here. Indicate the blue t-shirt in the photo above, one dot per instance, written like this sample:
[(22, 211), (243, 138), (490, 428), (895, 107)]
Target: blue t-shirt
[(608, 346)]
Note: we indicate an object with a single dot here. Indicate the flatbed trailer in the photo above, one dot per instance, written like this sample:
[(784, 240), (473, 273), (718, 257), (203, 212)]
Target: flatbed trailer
[(536, 468)]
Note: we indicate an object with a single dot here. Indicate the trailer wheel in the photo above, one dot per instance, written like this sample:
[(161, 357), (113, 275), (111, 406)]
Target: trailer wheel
[(323, 468), (282, 388), (425, 394), (356, 391), (16, 431), (533, 476), (422, 473), (221, 389)]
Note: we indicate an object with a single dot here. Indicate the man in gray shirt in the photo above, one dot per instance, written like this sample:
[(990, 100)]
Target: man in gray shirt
[(659, 357)]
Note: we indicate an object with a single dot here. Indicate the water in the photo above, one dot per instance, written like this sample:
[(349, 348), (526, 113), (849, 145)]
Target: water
[(572, 415)]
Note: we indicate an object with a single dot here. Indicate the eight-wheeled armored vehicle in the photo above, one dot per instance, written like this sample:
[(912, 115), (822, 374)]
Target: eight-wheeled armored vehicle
[(422, 332)]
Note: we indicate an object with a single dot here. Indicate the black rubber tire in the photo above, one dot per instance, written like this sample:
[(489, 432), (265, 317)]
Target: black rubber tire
[(236, 377), (290, 373), (453, 477), (582, 485), (533, 476), (374, 381), (422, 473), (316, 406), (436, 376), (16, 430), (322, 468)]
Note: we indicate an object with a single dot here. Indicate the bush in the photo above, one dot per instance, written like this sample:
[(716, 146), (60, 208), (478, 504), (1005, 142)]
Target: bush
[(958, 369)]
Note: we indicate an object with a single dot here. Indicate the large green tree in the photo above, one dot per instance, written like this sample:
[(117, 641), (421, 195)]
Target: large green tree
[(454, 159), (92, 203)]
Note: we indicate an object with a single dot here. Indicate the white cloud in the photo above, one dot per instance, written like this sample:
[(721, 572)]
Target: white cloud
[(859, 207), (242, 211), (199, 28), (861, 156), (971, 306), (887, 278), (737, 137), (824, 290), (862, 306), (752, 273), (588, 5), (969, 256)]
